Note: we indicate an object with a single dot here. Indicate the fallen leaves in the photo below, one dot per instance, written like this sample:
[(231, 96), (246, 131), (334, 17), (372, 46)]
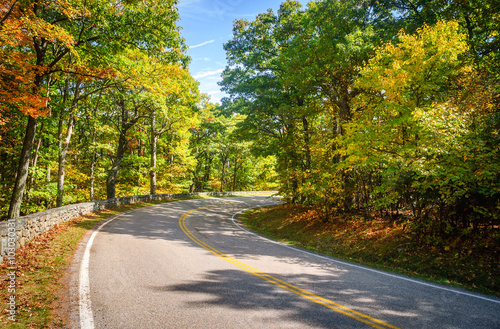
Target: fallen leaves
[(469, 260)]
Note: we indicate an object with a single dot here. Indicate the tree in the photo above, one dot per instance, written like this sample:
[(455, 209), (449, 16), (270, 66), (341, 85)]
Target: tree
[(255, 79), (322, 63), (291, 74), (23, 25), (174, 103), (415, 124), (62, 28), (129, 110)]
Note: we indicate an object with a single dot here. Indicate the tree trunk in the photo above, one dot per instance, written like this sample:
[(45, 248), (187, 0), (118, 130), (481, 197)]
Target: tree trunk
[(154, 140), (208, 167), (92, 166), (223, 172), (234, 174), (153, 165), (39, 140), (63, 147), (35, 158), (62, 161), (24, 158), (117, 163), (307, 142), (120, 152), (91, 196), (22, 169)]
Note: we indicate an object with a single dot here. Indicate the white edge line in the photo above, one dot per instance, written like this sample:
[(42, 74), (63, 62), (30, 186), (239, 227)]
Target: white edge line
[(357, 266), (86, 315)]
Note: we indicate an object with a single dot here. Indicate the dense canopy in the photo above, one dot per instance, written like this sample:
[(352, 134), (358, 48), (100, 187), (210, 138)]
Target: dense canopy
[(375, 106), (96, 101), (353, 106)]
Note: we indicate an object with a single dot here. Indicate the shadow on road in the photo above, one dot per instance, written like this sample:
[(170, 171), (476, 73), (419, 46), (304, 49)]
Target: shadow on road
[(233, 289), (387, 298)]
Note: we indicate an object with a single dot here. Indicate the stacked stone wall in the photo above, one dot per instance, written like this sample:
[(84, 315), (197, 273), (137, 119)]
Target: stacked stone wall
[(16, 232)]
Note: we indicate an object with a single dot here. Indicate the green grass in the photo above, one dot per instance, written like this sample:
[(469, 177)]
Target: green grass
[(467, 261)]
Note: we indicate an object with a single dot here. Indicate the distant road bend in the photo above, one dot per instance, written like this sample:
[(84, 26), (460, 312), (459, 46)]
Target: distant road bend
[(190, 264)]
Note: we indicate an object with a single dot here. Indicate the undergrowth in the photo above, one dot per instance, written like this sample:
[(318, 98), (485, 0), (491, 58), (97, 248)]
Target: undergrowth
[(468, 259)]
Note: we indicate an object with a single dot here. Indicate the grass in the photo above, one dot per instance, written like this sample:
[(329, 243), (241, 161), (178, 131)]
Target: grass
[(469, 261), (41, 265)]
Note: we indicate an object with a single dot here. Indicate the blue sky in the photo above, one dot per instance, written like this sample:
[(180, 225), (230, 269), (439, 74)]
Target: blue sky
[(206, 26)]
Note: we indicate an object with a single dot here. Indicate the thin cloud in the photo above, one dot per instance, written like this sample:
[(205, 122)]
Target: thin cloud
[(202, 44), (216, 96), (206, 59), (207, 74), (215, 92)]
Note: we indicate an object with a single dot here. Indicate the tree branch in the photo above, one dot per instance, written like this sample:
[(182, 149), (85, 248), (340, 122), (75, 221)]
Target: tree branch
[(8, 14)]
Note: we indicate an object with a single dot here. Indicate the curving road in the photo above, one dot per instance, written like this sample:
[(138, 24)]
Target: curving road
[(188, 264)]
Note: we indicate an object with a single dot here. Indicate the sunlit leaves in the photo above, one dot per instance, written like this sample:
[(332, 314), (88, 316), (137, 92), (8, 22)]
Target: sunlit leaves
[(416, 123), (98, 46), (400, 82), (19, 69)]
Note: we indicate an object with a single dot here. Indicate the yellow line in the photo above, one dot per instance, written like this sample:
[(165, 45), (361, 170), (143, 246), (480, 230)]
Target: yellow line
[(285, 285)]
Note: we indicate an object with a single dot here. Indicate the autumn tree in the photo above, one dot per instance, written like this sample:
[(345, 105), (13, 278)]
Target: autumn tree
[(416, 128), (175, 96), (47, 34), (318, 92), (23, 27)]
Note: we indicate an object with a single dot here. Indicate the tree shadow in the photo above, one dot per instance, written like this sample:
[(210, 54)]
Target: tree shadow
[(239, 290), (383, 297), (273, 305)]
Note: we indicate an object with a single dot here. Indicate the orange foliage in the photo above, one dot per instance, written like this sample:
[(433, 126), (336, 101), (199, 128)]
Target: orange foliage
[(20, 30)]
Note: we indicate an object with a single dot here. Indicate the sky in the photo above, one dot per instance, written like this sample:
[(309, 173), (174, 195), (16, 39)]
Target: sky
[(206, 26)]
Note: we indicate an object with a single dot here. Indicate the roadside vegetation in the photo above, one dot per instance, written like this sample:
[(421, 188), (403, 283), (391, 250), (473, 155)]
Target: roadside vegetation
[(97, 102), (376, 107), (468, 260)]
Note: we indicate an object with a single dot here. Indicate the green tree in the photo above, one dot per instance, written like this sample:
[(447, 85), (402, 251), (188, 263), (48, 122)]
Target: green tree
[(292, 75), (255, 79)]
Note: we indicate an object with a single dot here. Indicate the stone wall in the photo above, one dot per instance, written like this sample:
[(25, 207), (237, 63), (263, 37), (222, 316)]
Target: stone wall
[(16, 232)]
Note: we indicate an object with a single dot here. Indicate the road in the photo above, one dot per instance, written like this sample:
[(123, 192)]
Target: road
[(189, 264)]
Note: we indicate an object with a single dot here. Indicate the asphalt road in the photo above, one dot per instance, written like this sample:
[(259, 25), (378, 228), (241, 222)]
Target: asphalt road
[(187, 264)]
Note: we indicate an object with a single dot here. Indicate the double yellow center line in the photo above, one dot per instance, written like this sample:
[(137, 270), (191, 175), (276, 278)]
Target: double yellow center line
[(375, 323)]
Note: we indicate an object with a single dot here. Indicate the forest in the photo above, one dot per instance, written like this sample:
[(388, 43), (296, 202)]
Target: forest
[(379, 108), (376, 108), (96, 102)]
